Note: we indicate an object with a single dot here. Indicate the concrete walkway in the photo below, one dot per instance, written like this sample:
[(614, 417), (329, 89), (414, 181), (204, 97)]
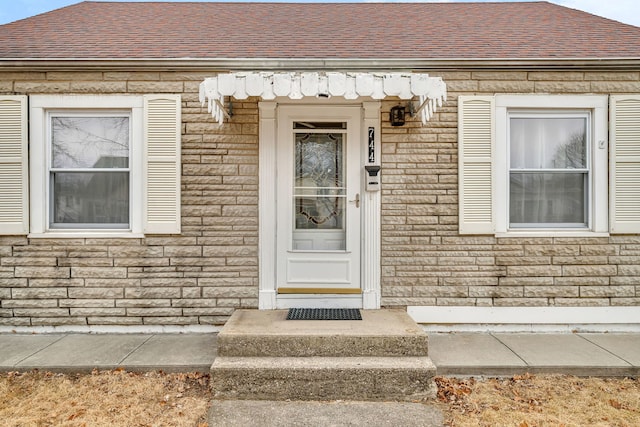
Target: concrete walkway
[(455, 354), (341, 413), (507, 354), (84, 352)]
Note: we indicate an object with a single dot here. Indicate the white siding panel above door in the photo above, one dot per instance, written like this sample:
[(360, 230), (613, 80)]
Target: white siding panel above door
[(625, 164), (14, 206), (162, 130), (475, 153)]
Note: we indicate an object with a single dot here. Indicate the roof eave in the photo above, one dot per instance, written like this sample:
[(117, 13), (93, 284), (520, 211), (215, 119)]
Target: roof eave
[(288, 64)]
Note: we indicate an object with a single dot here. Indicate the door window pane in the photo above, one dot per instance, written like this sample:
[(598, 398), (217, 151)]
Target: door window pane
[(319, 213), (319, 181), (319, 188)]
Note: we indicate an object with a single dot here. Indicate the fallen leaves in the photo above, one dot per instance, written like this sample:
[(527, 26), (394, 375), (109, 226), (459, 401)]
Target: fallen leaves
[(453, 390), (158, 399)]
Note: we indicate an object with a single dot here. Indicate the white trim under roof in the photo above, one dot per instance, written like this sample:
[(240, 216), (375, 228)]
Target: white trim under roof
[(203, 65), (431, 91)]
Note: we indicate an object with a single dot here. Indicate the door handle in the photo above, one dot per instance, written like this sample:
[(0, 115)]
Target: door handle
[(356, 200)]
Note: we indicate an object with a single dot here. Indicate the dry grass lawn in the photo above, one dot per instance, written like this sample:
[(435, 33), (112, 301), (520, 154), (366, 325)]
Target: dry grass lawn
[(119, 398), (108, 398), (546, 400)]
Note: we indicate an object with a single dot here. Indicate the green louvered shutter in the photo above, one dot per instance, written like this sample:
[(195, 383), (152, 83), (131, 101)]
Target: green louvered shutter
[(14, 205), (476, 122), (162, 130), (625, 164)]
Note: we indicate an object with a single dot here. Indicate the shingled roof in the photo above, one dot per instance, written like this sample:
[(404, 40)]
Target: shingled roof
[(163, 30)]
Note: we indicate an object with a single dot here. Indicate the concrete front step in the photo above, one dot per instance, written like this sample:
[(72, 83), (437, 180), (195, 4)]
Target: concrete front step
[(380, 333), (263, 356), (323, 378)]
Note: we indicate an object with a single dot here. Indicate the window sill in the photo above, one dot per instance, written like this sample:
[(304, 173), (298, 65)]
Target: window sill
[(549, 233), (86, 234)]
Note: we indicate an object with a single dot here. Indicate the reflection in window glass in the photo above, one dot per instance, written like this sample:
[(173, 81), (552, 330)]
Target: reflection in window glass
[(547, 198), (548, 143), (89, 173), (319, 181), (90, 142), (549, 171), (319, 186)]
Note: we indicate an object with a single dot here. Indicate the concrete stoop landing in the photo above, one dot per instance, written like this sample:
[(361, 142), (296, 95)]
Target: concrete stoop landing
[(263, 356)]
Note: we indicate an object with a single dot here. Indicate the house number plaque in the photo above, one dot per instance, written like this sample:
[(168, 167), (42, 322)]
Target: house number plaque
[(372, 145)]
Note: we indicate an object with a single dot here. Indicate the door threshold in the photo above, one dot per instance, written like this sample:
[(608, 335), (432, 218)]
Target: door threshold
[(321, 291), (286, 301)]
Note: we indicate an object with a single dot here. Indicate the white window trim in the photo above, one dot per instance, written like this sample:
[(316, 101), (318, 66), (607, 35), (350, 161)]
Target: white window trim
[(40, 106), (598, 205)]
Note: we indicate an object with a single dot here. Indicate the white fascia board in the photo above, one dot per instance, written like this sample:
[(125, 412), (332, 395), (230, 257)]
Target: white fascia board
[(365, 64)]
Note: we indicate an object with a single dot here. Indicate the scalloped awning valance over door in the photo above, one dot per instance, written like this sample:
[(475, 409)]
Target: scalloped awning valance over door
[(431, 91)]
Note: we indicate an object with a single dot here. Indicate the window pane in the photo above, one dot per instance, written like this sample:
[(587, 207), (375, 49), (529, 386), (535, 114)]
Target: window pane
[(319, 213), (91, 199), (319, 176), (548, 143), (90, 142), (319, 192), (319, 160), (319, 125), (548, 198), (319, 181)]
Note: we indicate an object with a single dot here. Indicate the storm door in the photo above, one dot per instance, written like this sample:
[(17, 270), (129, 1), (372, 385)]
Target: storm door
[(318, 201)]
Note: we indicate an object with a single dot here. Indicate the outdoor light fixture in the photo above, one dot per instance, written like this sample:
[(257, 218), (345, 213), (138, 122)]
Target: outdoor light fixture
[(396, 115)]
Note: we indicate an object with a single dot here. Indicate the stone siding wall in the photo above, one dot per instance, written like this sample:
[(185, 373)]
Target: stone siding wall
[(426, 262), (201, 276)]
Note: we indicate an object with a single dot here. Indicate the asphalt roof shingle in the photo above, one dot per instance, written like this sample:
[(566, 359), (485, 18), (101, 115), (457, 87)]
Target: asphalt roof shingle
[(163, 30)]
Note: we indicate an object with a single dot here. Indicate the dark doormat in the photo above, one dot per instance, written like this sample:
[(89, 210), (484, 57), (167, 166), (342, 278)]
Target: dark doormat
[(324, 314)]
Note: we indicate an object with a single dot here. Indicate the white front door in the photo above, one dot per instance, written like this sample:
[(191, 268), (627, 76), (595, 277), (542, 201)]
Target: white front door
[(318, 206)]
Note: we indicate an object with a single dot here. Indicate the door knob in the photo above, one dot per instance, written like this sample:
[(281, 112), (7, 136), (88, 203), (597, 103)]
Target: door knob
[(356, 200)]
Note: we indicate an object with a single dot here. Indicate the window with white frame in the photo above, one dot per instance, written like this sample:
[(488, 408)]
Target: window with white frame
[(104, 165), (533, 163), (89, 171), (551, 163), (549, 169)]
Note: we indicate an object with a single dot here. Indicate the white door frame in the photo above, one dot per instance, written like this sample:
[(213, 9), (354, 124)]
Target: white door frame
[(370, 210)]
